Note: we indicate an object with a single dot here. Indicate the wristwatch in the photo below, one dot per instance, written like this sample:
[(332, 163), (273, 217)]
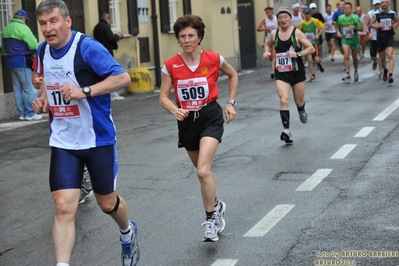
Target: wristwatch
[(299, 54), (86, 90), (232, 102)]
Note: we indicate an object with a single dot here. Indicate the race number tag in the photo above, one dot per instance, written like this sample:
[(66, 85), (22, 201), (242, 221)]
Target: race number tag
[(60, 108), (273, 27), (193, 93), (348, 33), (329, 28), (310, 37), (386, 24), (283, 62)]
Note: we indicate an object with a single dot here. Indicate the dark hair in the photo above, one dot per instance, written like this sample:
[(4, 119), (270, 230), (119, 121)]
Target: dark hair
[(348, 3), (328, 5), (192, 21), (269, 8)]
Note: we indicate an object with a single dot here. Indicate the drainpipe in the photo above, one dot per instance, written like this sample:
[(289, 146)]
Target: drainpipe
[(154, 19)]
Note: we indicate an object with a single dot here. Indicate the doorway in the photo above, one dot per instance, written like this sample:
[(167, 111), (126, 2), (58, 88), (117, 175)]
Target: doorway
[(246, 29)]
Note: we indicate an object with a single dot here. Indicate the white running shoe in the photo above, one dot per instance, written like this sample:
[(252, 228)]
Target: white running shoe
[(33, 117), (211, 234), (286, 136), (219, 211)]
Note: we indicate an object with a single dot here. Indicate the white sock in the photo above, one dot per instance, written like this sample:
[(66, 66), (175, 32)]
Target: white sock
[(62, 264), (126, 234)]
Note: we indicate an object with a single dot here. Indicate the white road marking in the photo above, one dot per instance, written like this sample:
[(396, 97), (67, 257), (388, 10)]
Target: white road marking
[(364, 132), (314, 180), (345, 150), (384, 114), (270, 220), (12, 125), (224, 262)]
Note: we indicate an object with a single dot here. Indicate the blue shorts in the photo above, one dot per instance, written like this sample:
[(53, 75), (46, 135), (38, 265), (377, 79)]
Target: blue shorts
[(66, 168)]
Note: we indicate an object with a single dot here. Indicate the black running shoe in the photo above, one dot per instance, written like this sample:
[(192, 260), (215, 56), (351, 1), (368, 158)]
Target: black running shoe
[(385, 75)]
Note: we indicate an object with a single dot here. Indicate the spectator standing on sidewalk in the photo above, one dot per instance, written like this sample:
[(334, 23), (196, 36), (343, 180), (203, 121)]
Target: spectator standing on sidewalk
[(20, 45), (103, 33)]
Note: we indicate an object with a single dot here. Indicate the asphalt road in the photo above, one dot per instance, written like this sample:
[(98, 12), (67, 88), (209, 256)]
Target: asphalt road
[(331, 197)]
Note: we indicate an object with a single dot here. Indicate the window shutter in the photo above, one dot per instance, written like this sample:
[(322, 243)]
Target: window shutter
[(103, 7), (165, 18), (30, 7), (187, 7), (133, 17)]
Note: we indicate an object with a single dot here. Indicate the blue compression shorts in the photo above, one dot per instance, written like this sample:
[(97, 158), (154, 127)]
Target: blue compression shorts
[(66, 168)]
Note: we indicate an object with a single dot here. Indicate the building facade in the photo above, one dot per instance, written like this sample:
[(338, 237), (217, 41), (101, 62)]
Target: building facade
[(147, 26)]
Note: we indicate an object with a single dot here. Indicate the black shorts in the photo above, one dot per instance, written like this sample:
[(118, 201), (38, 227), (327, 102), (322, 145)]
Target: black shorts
[(207, 122), (330, 36), (373, 48), (383, 43), (292, 77)]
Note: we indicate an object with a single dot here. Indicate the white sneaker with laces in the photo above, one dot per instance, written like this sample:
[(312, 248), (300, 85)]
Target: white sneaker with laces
[(34, 117), (211, 234)]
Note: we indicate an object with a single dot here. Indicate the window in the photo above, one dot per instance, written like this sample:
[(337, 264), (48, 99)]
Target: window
[(112, 7), (114, 11), (172, 12), (5, 13), (30, 7), (143, 11), (168, 10)]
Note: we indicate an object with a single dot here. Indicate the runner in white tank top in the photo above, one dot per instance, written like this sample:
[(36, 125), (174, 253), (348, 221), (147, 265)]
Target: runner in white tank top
[(296, 16), (268, 24), (330, 31)]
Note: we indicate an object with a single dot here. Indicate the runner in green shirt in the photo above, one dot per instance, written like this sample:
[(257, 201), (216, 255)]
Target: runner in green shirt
[(347, 26)]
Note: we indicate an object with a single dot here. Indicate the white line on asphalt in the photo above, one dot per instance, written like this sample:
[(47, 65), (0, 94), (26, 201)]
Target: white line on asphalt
[(224, 262), (364, 132), (345, 150), (314, 180), (12, 125), (270, 220), (384, 114)]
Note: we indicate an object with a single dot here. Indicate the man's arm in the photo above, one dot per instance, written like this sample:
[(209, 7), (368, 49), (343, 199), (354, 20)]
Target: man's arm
[(261, 26)]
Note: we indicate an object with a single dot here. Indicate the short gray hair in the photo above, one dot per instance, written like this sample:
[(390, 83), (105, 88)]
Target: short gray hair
[(47, 6)]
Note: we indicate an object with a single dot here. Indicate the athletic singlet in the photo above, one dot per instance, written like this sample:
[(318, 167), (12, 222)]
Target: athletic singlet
[(284, 63), (78, 124), (195, 89), (310, 31), (387, 20), (344, 21), (273, 24), (329, 27), (362, 20), (372, 30), (296, 19)]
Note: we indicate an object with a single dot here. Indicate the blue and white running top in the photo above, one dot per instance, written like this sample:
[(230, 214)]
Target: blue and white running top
[(78, 124)]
